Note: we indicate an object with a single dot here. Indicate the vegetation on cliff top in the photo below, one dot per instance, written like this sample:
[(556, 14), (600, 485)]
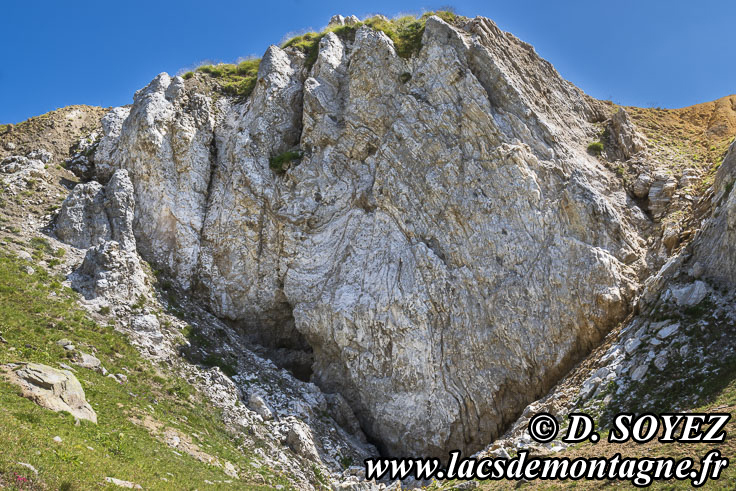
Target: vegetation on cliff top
[(239, 80), (278, 163), (235, 80), (405, 32)]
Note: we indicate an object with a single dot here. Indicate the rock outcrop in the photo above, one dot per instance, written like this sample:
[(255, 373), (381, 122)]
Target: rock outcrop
[(680, 340), (446, 248), (57, 390), (111, 273), (625, 140), (93, 214), (715, 252)]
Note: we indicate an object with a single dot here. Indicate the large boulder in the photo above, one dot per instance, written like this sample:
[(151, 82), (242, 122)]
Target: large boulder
[(57, 390)]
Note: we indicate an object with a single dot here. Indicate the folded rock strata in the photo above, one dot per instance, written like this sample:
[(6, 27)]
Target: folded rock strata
[(445, 247)]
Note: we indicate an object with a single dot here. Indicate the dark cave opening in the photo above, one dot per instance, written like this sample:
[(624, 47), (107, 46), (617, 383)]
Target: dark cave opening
[(274, 336)]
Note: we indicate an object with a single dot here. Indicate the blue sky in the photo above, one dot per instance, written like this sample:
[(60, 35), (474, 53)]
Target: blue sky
[(635, 52)]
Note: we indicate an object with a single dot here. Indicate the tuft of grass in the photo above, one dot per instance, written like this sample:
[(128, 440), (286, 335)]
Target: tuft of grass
[(227, 366), (278, 162), (235, 80), (41, 247), (595, 148)]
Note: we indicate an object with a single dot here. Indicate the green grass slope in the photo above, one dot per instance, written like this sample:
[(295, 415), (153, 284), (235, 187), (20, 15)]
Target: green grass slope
[(36, 310)]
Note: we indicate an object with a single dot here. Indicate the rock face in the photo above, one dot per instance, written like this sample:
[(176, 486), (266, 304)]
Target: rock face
[(57, 390), (625, 139), (682, 334), (82, 221), (92, 214), (445, 247), (660, 193), (715, 249), (100, 219), (109, 271)]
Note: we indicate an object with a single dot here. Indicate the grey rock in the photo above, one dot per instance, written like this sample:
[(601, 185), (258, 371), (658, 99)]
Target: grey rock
[(145, 323), (300, 441), (57, 390), (336, 20), (689, 295), (147, 333), (660, 193), (92, 214), (429, 247), (119, 205), (625, 139), (110, 272), (122, 484), (259, 405), (589, 387), (714, 246), (86, 360), (668, 331), (104, 157), (640, 372), (641, 186), (82, 221), (631, 345), (40, 154)]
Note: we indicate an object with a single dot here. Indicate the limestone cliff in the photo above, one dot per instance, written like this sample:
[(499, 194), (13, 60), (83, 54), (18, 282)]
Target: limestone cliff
[(364, 243), (446, 248)]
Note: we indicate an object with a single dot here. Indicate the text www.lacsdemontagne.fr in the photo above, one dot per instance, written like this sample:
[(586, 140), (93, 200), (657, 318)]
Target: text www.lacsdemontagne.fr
[(639, 471)]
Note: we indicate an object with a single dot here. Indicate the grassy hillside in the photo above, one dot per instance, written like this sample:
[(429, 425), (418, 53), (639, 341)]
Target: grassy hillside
[(35, 312)]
